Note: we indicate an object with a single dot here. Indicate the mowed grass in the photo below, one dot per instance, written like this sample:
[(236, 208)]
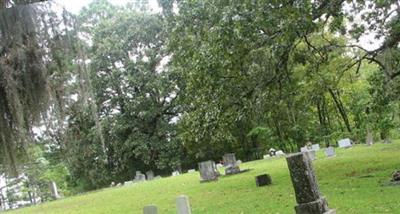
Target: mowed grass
[(355, 181)]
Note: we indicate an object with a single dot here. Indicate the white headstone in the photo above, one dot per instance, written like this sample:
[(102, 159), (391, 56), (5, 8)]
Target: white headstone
[(330, 152), (175, 173), (219, 166), (280, 153), (150, 209), (344, 143), (182, 205), (304, 149), (191, 170), (267, 157), (315, 147), (312, 154), (238, 162), (54, 190)]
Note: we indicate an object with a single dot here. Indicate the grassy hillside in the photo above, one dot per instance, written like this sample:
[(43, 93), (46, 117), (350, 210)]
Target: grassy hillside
[(353, 182)]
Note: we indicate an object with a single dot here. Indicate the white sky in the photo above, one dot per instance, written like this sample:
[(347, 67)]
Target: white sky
[(75, 6)]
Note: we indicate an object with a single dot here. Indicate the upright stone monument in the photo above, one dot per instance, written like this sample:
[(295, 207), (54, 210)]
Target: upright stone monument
[(231, 166), (54, 190), (150, 175), (312, 154), (150, 209), (315, 147), (345, 143), (208, 171), (140, 177), (308, 196), (183, 205), (370, 138), (330, 152)]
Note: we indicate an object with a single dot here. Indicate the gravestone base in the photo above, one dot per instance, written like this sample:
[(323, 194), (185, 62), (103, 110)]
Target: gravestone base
[(319, 206), (231, 170), (263, 180)]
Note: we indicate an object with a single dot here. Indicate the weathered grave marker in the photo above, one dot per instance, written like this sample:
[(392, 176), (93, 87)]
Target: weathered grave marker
[(175, 173), (315, 147), (140, 177), (304, 149), (330, 152), (345, 143), (370, 138), (263, 180), (208, 171), (183, 205), (150, 209), (150, 175), (54, 190), (308, 196), (231, 166), (312, 154), (280, 153)]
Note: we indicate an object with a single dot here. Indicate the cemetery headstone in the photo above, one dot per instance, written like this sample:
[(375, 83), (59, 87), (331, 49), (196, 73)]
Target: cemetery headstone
[(303, 149), (263, 180), (54, 190), (150, 175), (280, 153), (191, 170), (150, 209), (175, 173), (370, 138), (208, 171), (312, 154), (315, 147), (238, 162), (345, 143), (272, 152), (266, 157), (231, 166), (183, 205), (308, 196), (140, 177), (330, 152)]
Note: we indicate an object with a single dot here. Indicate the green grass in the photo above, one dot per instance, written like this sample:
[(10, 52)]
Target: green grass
[(353, 182)]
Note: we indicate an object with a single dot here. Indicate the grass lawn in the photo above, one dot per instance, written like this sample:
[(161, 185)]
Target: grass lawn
[(353, 182)]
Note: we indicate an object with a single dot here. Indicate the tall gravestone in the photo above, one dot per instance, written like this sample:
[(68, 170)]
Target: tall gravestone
[(183, 205), (54, 190), (208, 171), (140, 177), (150, 209), (231, 166), (370, 138), (150, 175), (308, 196)]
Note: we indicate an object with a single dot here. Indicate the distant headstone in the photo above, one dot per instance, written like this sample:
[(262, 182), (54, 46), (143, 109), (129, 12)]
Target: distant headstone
[(183, 205), (266, 157), (191, 170), (315, 147), (238, 162), (308, 196), (345, 143), (150, 175), (54, 190), (219, 166), (150, 209), (330, 152), (175, 173), (312, 154), (304, 149), (272, 152), (263, 180), (370, 138), (280, 153), (112, 184), (128, 183), (231, 166), (208, 171), (140, 177)]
